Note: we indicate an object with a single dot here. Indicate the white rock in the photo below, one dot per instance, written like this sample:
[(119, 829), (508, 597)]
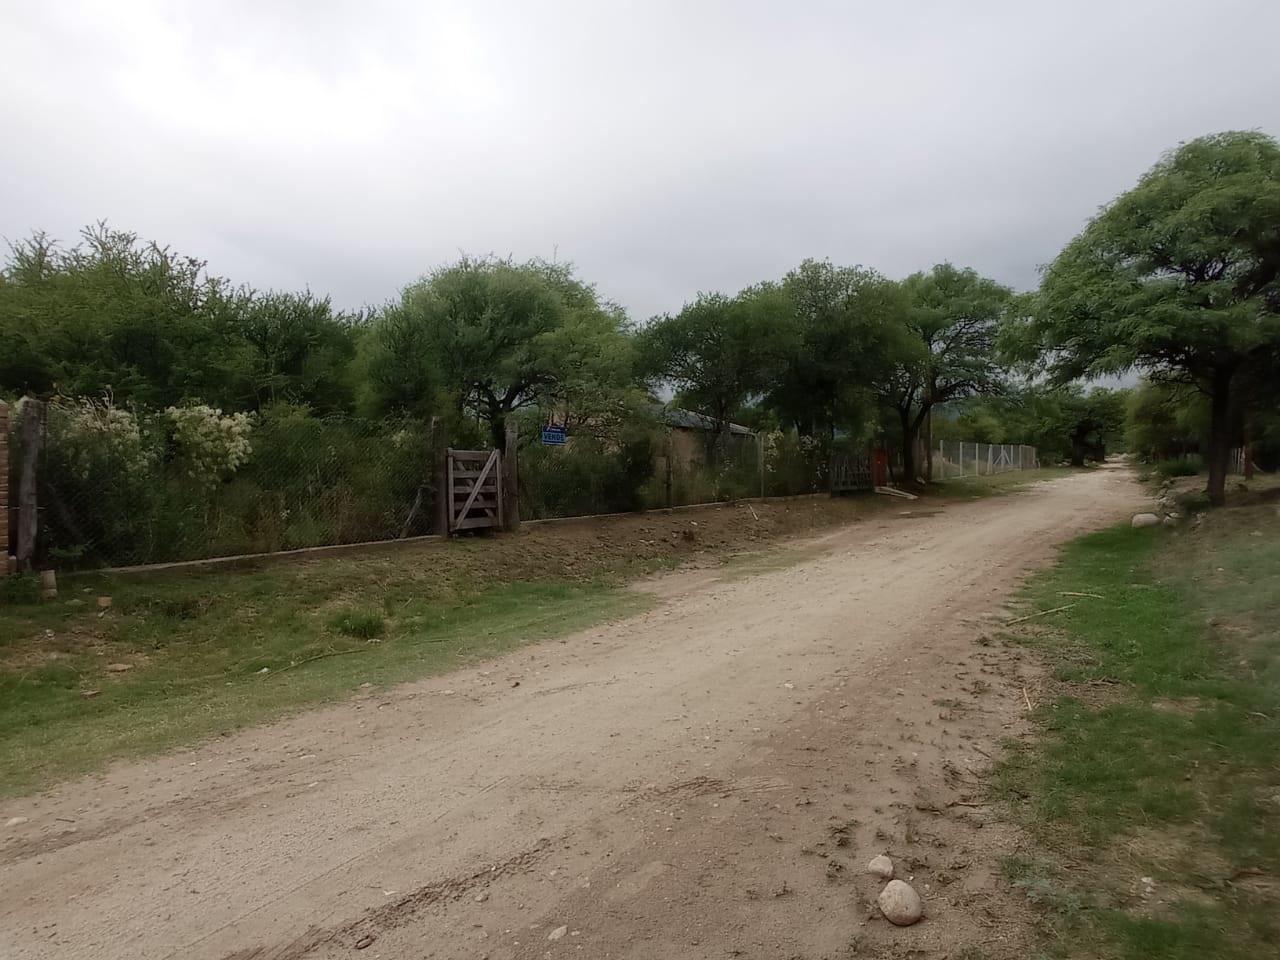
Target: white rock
[(1144, 520), (1170, 522), (881, 867), (557, 933), (900, 904), (16, 821)]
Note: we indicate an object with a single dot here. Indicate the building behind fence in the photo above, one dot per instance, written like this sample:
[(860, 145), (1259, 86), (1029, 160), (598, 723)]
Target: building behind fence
[(117, 487)]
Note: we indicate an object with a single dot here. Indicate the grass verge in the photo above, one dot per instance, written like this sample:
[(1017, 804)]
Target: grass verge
[(997, 484), (1153, 789), (173, 666)]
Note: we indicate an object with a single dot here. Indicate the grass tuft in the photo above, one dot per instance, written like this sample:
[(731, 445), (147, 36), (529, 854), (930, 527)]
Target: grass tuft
[(363, 624)]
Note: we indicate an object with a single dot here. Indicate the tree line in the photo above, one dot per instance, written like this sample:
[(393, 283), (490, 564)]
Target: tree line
[(1178, 278)]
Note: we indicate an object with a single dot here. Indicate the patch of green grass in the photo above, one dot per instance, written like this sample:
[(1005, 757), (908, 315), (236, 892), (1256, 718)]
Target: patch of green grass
[(23, 588), (996, 484), (363, 624), (213, 653), (1163, 740)]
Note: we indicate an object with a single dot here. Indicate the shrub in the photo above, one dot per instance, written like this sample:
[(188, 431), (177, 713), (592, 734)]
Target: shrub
[(364, 624), (19, 588), (1178, 467)]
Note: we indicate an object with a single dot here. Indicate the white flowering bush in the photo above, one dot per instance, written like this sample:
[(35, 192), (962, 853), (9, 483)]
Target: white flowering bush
[(210, 445), (92, 434)]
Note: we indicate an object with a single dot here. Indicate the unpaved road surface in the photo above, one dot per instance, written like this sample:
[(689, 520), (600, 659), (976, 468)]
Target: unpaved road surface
[(705, 780)]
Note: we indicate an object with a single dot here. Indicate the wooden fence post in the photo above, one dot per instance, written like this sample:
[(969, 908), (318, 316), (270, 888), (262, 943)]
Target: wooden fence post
[(670, 470), (4, 491), (28, 503), (440, 471), (760, 459), (510, 492)]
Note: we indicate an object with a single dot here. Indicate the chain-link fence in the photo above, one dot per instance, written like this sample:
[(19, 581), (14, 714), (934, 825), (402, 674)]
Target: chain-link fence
[(122, 487), (953, 459), (660, 467)]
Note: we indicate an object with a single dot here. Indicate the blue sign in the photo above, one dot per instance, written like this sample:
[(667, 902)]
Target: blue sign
[(554, 436)]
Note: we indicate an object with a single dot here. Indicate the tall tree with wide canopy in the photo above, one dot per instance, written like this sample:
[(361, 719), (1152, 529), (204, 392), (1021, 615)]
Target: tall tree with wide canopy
[(1179, 277), (850, 329), (721, 352), (953, 316), (498, 336)]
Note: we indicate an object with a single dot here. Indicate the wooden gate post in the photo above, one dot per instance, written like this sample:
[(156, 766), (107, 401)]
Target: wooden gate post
[(440, 474), (28, 504), (510, 493)]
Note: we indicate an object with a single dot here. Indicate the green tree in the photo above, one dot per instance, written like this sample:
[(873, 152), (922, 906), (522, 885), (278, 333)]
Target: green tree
[(850, 329), (113, 315), (293, 348), (498, 337), (1164, 420), (953, 319), (722, 352), (1179, 277)]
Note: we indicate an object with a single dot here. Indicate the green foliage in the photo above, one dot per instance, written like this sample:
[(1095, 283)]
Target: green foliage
[(589, 475), (1178, 468), (360, 623), (19, 588), (952, 320), (125, 488), (722, 351), (1179, 275), (500, 337), (1166, 420), (143, 324), (851, 327), (1062, 423), (1182, 745)]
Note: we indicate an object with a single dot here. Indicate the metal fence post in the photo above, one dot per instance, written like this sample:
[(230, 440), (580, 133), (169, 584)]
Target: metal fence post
[(510, 492), (440, 468)]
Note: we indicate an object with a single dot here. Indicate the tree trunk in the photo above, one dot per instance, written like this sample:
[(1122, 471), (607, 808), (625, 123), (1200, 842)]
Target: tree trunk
[(909, 431), (928, 446), (1219, 437), (1078, 449), (498, 428)]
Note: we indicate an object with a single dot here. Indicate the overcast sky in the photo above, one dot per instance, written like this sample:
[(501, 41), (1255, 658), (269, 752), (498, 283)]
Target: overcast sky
[(665, 148)]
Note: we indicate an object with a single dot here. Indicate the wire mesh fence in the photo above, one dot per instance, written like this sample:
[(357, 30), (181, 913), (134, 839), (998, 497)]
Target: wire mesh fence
[(125, 487), (122, 487), (661, 467), (953, 459)]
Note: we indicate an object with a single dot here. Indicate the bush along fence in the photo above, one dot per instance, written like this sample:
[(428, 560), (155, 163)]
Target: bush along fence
[(91, 485)]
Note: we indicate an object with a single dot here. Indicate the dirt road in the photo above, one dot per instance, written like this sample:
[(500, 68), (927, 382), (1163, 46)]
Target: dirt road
[(705, 780)]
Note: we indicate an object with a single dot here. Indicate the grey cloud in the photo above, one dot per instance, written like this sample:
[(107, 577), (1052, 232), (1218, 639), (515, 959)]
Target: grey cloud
[(665, 148)]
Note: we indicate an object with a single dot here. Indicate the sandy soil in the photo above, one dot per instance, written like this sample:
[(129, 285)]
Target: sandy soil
[(706, 780)]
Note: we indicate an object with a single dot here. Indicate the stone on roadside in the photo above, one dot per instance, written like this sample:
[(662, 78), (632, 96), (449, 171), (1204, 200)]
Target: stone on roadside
[(557, 933), (900, 904), (1144, 520), (16, 821), (118, 667), (881, 867), (1170, 522)]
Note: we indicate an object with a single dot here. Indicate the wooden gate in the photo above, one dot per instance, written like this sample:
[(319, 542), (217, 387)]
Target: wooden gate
[(475, 489), (851, 472)]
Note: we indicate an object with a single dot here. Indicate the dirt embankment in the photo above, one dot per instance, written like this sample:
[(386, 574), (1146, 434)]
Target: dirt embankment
[(705, 780)]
